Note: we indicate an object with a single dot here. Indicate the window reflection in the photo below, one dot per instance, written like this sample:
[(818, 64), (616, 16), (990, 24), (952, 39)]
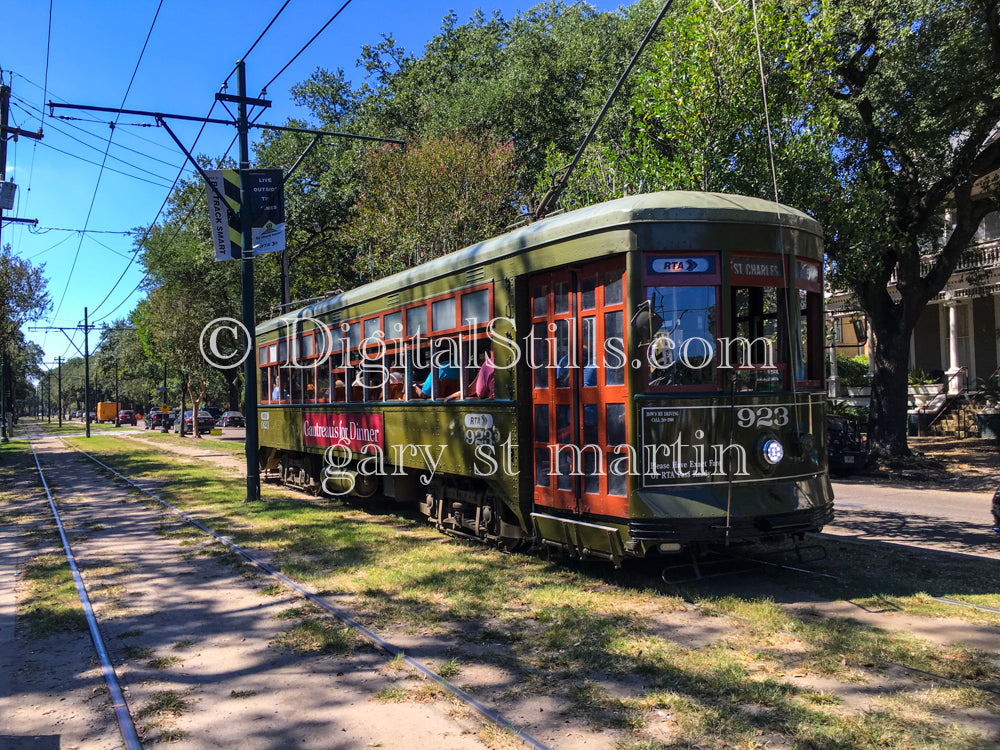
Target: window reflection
[(681, 335)]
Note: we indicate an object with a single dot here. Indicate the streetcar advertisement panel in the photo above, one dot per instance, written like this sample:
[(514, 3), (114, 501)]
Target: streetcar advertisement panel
[(352, 431)]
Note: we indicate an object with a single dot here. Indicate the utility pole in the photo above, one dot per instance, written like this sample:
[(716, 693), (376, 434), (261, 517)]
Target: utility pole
[(118, 404), (5, 133), (3, 393), (194, 417), (249, 313), (4, 112), (59, 376), (86, 370), (48, 391), (163, 420)]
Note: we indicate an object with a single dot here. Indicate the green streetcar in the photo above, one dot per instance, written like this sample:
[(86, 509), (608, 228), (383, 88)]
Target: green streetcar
[(638, 377)]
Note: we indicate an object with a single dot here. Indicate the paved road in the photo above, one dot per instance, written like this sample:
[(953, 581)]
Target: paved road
[(936, 518)]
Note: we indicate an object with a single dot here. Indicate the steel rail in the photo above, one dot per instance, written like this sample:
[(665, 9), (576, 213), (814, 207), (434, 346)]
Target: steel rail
[(373, 637), (125, 725), (957, 603)]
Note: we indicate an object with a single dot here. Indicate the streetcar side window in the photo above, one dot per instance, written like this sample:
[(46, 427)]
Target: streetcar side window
[(809, 281), (393, 326), (416, 321), (443, 314), (476, 308)]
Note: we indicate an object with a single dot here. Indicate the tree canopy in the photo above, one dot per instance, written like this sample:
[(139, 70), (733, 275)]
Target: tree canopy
[(880, 120)]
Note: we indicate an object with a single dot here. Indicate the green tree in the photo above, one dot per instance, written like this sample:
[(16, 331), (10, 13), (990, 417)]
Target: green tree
[(913, 87), (533, 80), (22, 298), (883, 118), (433, 198)]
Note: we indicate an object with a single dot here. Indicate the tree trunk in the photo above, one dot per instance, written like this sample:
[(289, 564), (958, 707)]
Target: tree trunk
[(233, 382), (195, 404), (890, 352)]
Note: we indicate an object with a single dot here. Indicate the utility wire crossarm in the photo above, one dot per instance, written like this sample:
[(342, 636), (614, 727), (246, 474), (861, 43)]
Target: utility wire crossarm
[(243, 126)]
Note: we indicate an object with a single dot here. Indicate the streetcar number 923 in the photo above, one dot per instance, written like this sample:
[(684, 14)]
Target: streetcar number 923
[(762, 416), (479, 429)]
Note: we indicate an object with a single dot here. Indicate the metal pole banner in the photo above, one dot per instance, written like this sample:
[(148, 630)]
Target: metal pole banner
[(267, 209), (225, 218)]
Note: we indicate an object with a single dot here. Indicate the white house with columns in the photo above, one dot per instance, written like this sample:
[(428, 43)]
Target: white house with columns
[(957, 337)]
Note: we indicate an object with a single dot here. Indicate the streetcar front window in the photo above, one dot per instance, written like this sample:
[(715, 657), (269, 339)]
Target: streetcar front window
[(681, 335)]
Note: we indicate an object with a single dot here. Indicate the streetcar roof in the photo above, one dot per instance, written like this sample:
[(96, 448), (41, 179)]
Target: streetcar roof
[(663, 207)]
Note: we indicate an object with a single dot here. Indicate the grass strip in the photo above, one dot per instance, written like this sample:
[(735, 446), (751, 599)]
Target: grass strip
[(595, 638)]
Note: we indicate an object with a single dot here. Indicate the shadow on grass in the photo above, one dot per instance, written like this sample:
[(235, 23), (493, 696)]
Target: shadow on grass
[(568, 624)]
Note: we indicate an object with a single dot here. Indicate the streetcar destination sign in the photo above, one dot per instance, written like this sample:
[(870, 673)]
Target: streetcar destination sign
[(682, 264)]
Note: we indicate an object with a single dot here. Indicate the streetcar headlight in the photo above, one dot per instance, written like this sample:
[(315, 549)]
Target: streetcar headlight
[(773, 451)]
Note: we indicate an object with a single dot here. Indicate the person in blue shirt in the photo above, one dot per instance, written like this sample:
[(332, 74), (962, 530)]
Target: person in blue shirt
[(446, 371)]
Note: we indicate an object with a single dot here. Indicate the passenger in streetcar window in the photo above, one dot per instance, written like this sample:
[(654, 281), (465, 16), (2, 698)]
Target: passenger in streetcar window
[(447, 372), (483, 385), (397, 381), (276, 393)]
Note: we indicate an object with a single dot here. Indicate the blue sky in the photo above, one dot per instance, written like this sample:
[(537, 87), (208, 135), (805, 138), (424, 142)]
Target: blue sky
[(90, 57)]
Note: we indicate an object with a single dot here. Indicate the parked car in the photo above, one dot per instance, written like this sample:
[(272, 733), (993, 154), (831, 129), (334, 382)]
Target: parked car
[(127, 416), (215, 411), (205, 422), (155, 420), (231, 419), (846, 449)]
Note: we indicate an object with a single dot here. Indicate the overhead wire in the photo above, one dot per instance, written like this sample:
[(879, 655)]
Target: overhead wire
[(103, 166), (46, 230), (305, 46), (65, 239), (225, 83), (27, 107), (110, 156), (97, 186), (94, 119), (232, 143), (145, 235)]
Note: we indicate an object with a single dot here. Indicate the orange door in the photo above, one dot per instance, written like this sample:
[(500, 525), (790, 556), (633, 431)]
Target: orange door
[(579, 396)]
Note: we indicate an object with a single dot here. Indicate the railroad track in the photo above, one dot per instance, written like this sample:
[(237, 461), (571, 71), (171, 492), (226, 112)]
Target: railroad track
[(334, 611), (126, 723)]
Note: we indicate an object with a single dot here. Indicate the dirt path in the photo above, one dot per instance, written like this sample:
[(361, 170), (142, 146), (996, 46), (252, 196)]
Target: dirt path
[(52, 693), (195, 636)]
